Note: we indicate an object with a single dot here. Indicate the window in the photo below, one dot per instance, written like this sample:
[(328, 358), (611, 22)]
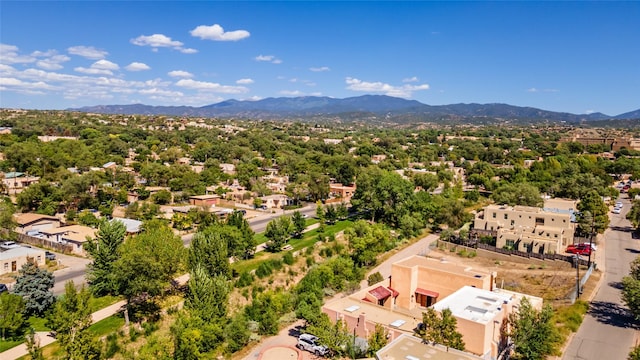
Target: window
[(539, 221), (513, 222), (493, 215), (506, 216), (6, 266)]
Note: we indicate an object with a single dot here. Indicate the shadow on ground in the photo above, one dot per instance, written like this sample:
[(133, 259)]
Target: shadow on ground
[(296, 331), (612, 314), (616, 285)]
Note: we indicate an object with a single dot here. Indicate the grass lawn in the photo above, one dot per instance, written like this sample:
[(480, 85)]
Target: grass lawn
[(107, 326), (38, 324), (8, 344), (102, 302)]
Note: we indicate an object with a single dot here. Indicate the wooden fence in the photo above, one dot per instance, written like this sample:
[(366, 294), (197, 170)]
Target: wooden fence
[(44, 243)]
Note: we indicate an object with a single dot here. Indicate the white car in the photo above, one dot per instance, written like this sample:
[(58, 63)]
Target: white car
[(309, 343), (617, 210), (619, 204), (9, 245)]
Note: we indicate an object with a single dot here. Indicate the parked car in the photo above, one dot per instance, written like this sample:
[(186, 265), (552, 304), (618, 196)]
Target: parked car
[(619, 204), (49, 255), (593, 246), (617, 210), (580, 249), (309, 343), (6, 245), (3, 288)]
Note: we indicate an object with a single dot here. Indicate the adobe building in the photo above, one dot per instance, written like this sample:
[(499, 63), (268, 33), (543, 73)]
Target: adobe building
[(30, 222), (419, 282), (12, 260), (527, 228), (204, 200), (343, 192), (74, 235), (411, 347)]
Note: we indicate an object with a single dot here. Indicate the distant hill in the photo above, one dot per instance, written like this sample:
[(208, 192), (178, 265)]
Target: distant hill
[(390, 108)]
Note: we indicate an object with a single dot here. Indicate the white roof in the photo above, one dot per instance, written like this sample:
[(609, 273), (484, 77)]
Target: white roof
[(19, 252), (133, 226), (474, 304)]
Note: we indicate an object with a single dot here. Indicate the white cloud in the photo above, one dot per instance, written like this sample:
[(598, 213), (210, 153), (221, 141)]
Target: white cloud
[(9, 55), (17, 83), (268, 58), (88, 52), (291, 93), (293, 80), (53, 62), (244, 81), (137, 66), (589, 112), (100, 67), (180, 74), (320, 69), (215, 32), (535, 90), (215, 87), (156, 41), (411, 79), (105, 65), (404, 91), (92, 71)]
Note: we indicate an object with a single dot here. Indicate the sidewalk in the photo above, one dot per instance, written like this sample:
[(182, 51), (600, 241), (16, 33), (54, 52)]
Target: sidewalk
[(44, 338)]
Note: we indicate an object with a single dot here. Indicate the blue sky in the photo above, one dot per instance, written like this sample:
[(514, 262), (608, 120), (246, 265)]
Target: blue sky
[(576, 57)]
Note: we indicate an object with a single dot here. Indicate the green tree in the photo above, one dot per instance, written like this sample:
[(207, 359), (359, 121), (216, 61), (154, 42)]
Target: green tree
[(208, 295), (245, 246), (12, 320), (147, 263), (634, 354), (335, 336), (7, 222), (441, 328), (593, 203), (377, 340), (631, 288), (278, 232), (517, 194), (104, 251), (70, 320), (34, 285), (299, 223), (532, 331), (209, 249), (33, 345), (237, 333)]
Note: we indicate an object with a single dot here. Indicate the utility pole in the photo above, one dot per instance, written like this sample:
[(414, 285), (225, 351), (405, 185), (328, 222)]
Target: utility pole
[(593, 220), (577, 276)]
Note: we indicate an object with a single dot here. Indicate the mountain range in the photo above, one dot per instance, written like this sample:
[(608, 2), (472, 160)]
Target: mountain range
[(392, 109)]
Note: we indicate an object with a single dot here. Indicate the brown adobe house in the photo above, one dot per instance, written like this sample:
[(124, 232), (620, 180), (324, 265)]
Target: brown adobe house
[(28, 222)]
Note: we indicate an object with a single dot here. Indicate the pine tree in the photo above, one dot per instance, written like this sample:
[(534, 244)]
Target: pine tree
[(34, 285)]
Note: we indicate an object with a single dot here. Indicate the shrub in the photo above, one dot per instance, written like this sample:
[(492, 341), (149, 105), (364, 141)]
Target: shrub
[(264, 270), (288, 258), (245, 279), (374, 278)]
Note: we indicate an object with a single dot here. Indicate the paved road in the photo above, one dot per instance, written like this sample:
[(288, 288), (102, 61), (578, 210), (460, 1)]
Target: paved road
[(607, 331)]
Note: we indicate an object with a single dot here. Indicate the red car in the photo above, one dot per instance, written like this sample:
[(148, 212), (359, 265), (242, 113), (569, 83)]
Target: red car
[(580, 249)]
